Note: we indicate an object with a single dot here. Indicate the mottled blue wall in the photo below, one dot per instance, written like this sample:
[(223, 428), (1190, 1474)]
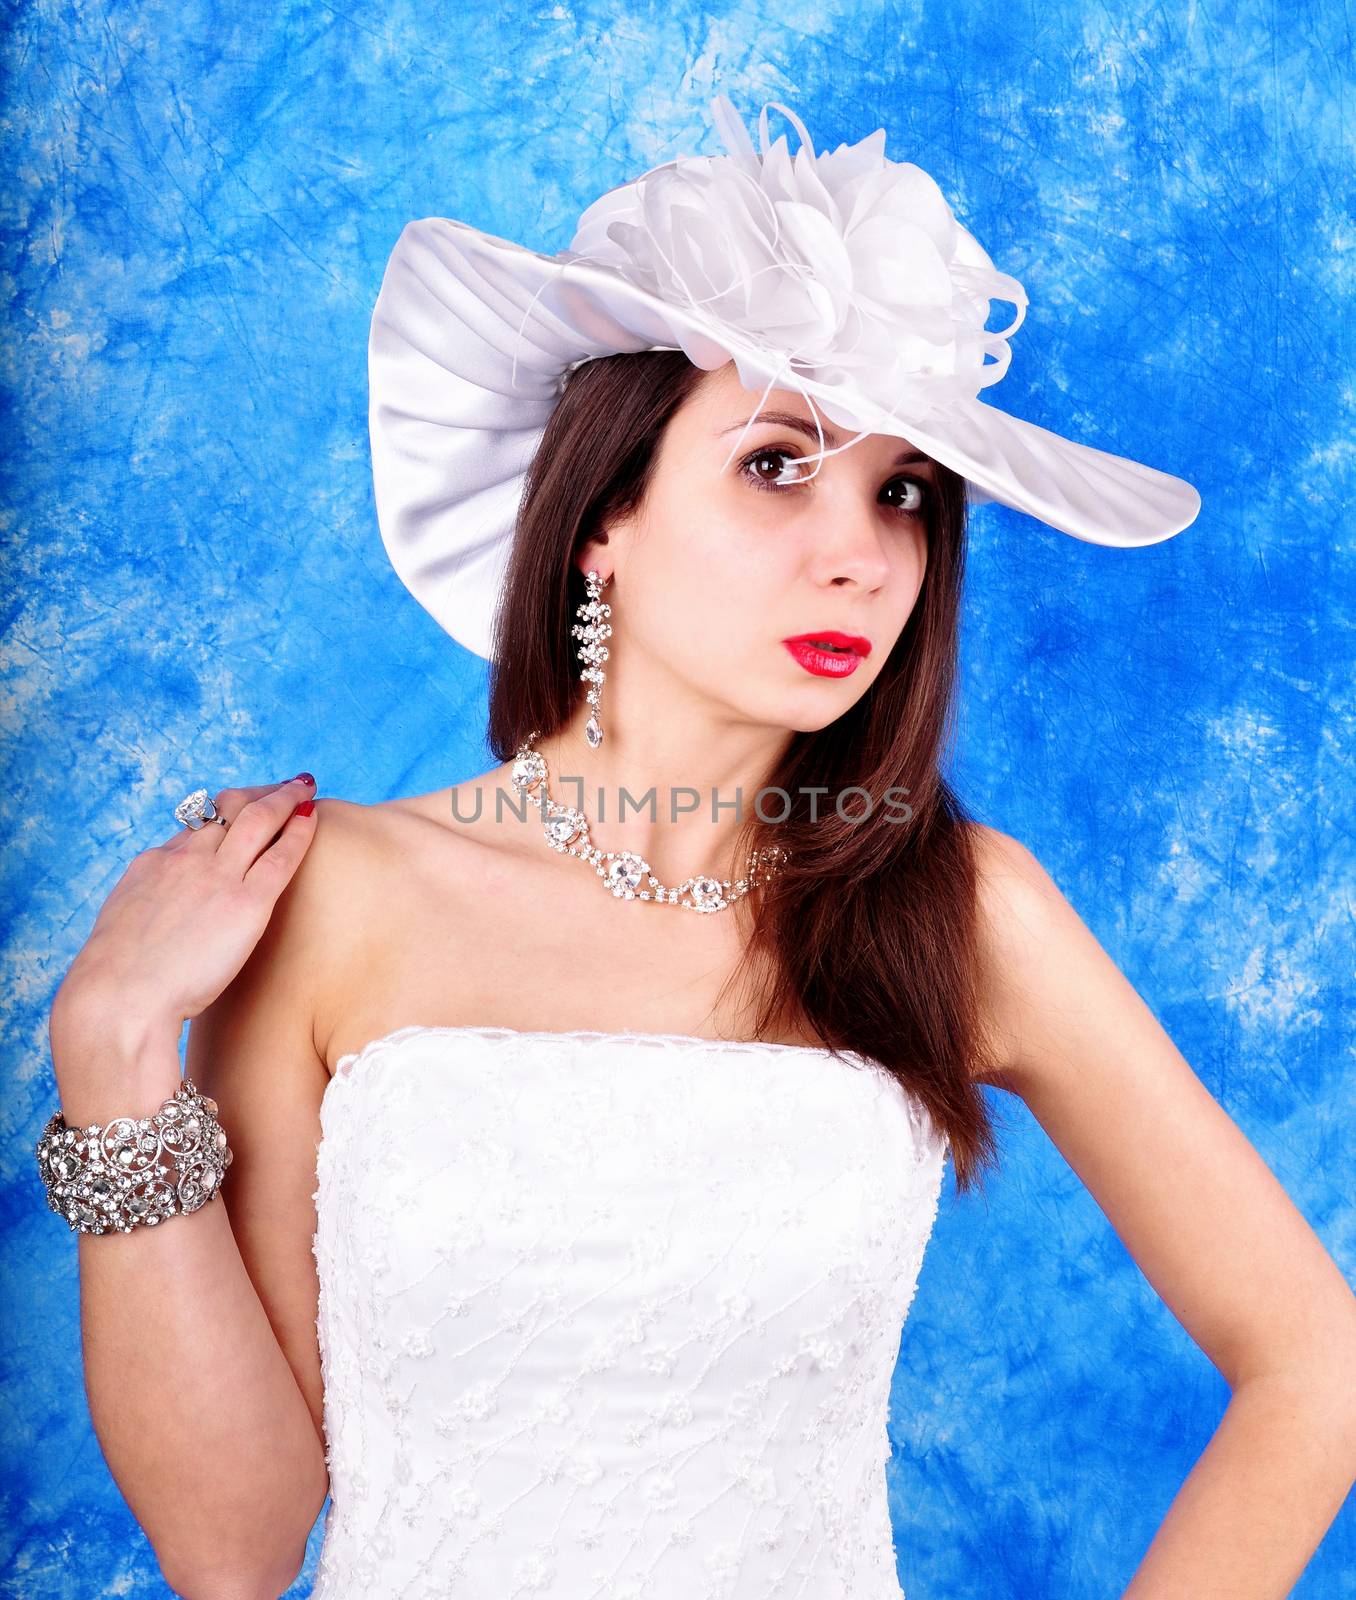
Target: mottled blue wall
[(197, 204)]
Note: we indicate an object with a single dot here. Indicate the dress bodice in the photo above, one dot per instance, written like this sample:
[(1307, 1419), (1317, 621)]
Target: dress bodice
[(613, 1316)]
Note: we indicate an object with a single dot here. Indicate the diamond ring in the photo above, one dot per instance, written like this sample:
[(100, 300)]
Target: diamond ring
[(196, 808)]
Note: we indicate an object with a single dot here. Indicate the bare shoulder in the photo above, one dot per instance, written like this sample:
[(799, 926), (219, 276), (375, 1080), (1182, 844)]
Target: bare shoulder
[(1064, 1010), (1005, 862), (362, 852), (353, 846), (387, 884), (1036, 952), (363, 860)]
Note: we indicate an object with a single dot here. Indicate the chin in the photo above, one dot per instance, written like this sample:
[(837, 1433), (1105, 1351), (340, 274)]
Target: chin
[(807, 714)]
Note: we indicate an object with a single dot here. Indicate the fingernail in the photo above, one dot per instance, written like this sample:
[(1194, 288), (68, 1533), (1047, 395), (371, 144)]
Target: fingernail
[(304, 777), (306, 808)]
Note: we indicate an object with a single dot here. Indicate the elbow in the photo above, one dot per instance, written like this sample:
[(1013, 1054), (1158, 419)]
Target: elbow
[(220, 1589), (1322, 1386), (242, 1579), (237, 1585), (265, 1569)]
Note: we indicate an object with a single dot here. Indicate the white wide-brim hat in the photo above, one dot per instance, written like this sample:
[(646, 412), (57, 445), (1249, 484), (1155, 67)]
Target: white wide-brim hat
[(844, 276)]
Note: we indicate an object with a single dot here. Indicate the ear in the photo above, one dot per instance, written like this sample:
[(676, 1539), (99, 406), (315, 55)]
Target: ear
[(593, 555), (598, 552)]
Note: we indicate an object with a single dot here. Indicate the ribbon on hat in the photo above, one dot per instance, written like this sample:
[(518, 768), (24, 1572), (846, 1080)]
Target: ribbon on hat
[(843, 267)]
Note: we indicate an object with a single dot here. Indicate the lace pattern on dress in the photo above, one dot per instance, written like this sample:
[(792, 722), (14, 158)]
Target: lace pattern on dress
[(602, 1317)]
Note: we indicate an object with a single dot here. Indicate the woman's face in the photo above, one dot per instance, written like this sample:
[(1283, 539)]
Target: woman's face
[(721, 565)]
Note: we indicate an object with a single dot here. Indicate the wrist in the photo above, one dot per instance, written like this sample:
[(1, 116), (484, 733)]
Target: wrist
[(110, 1022), (121, 1061), (99, 1097)]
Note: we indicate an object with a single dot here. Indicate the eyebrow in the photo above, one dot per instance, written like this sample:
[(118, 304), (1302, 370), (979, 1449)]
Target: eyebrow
[(789, 419)]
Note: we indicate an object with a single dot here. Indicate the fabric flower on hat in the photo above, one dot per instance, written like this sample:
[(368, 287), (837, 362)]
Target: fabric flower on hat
[(844, 266)]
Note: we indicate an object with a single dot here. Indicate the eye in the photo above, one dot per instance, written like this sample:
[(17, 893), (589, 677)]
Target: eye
[(915, 490)]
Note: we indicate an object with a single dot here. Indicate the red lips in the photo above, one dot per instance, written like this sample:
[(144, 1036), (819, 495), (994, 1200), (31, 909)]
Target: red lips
[(808, 649), (834, 636)]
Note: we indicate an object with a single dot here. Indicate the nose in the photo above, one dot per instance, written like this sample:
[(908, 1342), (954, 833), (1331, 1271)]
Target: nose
[(850, 543)]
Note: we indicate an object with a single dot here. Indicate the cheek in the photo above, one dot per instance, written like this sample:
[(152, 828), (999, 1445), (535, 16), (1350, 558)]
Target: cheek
[(712, 581), (712, 607), (909, 561), (914, 565)]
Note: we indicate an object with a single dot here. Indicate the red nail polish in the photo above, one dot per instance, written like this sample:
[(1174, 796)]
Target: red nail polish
[(306, 808), (305, 777)]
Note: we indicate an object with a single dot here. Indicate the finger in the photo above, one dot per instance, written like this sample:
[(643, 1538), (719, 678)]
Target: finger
[(273, 870), (257, 823), (227, 803)]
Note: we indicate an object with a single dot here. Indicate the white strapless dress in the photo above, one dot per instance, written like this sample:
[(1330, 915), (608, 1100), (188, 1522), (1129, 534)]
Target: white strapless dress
[(613, 1316)]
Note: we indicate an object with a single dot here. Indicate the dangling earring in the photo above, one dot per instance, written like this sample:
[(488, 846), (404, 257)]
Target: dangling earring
[(593, 652)]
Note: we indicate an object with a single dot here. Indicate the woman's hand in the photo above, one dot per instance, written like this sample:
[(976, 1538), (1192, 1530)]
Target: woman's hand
[(185, 915)]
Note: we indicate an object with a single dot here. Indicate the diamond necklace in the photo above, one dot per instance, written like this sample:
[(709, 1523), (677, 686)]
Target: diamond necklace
[(566, 829)]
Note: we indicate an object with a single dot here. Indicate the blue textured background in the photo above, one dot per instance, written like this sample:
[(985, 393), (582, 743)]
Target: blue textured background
[(197, 204)]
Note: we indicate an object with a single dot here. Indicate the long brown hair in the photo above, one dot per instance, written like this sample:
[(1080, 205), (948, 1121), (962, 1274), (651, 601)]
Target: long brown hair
[(868, 932)]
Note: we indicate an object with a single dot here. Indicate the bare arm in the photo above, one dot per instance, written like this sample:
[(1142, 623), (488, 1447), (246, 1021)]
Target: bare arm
[(1212, 1231), (199, 1414)]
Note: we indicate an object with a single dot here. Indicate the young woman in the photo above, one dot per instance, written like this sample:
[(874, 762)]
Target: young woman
[(584, 1153)]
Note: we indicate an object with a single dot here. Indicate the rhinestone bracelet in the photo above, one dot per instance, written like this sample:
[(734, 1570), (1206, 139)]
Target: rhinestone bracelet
[(135, 1171)]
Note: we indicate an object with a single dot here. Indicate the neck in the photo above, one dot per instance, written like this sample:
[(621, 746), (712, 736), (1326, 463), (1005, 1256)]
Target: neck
[(681, 785)]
